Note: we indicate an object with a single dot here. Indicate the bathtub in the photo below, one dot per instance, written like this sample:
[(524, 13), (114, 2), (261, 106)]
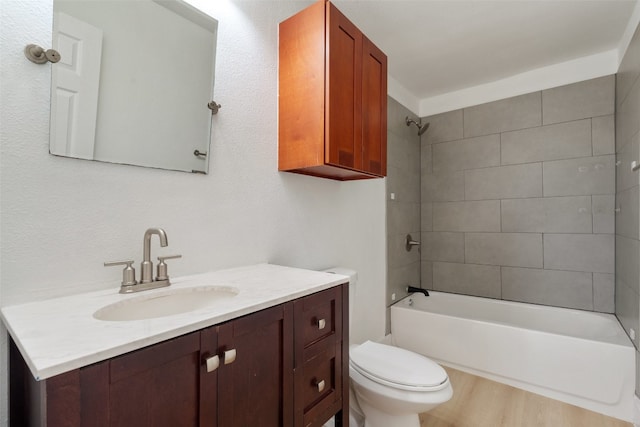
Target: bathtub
[(574, 356)]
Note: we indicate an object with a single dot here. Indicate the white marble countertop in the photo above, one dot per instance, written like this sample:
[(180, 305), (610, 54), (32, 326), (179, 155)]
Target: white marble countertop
[(61, 334)]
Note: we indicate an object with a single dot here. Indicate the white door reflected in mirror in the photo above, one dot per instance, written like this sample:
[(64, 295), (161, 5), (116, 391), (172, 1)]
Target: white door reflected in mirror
[(129, 91)]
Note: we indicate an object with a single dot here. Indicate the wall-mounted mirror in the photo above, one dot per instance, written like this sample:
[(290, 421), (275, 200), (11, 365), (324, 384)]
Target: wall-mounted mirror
[(133, 83)]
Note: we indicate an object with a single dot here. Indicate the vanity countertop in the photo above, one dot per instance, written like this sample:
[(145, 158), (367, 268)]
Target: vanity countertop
[(61, 334)]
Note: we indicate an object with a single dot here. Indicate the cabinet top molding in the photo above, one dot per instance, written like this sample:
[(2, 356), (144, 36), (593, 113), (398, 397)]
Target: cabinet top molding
[(61, 334)]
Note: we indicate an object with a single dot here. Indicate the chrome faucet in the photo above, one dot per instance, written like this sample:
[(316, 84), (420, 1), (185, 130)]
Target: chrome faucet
[(129, 283), (146, 267)]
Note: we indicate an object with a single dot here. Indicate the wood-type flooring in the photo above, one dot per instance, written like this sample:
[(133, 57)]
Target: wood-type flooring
[(479, 402)]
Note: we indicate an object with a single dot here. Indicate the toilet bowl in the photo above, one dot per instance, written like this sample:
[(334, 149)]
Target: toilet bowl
[(390, 386)]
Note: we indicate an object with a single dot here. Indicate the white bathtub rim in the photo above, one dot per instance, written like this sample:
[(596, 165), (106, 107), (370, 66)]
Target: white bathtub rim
[(624, 342)]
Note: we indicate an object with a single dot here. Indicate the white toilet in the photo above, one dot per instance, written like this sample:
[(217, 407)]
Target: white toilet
[(391, 385)]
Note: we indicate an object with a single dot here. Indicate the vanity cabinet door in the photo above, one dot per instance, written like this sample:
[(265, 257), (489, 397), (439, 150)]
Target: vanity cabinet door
[(72, 399), (157, 385), (255, 378)]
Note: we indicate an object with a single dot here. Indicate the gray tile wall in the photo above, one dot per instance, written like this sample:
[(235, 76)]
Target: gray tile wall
[(518, 198), (403, 201), (627, 218)]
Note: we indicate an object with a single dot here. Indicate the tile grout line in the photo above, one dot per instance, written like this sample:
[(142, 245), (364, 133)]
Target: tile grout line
[(593, 292), (542, 236), (591, 133), (541, 109), (592, 216)]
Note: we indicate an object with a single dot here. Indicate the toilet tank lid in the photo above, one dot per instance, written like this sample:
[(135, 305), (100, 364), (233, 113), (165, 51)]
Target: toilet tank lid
[(397, 365), (353, 275)]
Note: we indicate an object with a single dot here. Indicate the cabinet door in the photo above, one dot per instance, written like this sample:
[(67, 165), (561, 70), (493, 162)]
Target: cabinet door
[(158, 385), (152, 387), (343, 113), (374, 109), (255, 379)]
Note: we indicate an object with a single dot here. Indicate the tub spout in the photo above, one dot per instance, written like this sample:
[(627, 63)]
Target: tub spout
[(411, 289)]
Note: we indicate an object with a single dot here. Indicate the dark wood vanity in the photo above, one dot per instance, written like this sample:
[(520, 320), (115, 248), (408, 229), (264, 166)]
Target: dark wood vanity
[(282, 366)]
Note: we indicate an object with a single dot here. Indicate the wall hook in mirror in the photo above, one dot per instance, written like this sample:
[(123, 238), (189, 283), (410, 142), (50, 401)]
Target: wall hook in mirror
[(38, 55), (214, 107), (200, 154)]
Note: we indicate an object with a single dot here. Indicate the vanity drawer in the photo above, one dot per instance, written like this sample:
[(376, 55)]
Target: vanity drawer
[(321, 379), (318, 316), (319, 385)]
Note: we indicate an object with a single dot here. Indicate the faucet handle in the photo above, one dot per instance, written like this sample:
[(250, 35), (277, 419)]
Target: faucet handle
[(128, 274), (162, 266)]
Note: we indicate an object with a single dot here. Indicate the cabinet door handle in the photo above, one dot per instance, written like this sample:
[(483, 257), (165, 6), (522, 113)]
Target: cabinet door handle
[(321, 324), (212, 363), (229, 356), (320, 385)]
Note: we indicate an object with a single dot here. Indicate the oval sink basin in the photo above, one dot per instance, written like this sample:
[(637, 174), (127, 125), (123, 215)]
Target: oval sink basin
[(168, 303)]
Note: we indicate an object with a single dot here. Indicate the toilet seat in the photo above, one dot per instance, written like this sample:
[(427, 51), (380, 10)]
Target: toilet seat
[(398, 368)]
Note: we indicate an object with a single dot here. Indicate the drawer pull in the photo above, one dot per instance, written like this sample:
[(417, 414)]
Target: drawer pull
[(322, 323), (229, 356), (212, 363), (320, 385)]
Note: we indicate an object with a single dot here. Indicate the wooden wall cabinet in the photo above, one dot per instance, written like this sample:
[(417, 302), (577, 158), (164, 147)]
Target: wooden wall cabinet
[(332, 105), (262, 370)]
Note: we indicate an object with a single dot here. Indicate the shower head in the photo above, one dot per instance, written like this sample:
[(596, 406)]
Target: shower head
[(422, 128)]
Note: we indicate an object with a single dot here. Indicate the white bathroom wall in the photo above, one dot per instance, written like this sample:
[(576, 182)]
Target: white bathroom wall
[(62, 218)]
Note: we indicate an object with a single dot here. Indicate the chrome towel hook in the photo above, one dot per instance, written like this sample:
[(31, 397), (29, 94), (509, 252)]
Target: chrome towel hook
[(38, 55), (410, 243)]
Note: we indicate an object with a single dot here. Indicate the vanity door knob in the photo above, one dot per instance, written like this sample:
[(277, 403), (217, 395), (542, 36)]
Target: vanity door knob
[(213, 363), (229, 356), (320, 385), (322, 323)]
